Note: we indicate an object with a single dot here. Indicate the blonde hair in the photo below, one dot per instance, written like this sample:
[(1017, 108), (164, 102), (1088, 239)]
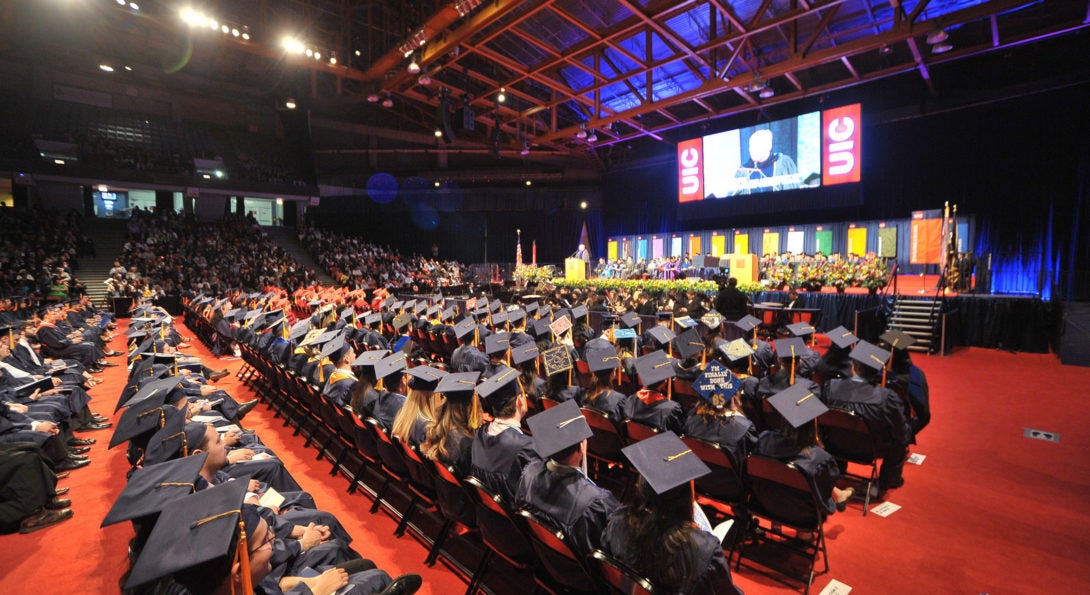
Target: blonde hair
[(419, 404)]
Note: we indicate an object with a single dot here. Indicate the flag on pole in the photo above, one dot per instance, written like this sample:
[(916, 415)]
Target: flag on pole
[(518, 247), (533, 253)]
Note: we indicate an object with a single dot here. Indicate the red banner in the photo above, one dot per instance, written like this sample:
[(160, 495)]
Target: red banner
[(841, 145), (925, 244), (690, 170)]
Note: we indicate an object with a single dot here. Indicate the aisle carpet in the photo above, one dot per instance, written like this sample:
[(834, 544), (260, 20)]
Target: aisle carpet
[(988, 511)]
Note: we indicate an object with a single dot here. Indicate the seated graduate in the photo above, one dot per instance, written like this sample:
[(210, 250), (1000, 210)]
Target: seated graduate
[(388, 402), (450, 439), (363, 396), (500, 450), (467, 357), (604, 364), (421, 403), (559, 367), (796, 442), (210, 542), (718, 418), (29, 499), (556, 488), (649, 405), (656, 535), (341, 380), (836, 362), (909, 381)]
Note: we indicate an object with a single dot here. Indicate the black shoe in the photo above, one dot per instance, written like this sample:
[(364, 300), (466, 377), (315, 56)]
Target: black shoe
[(81, 441), (43, 519), (102, 419), (114, 353), (406, 584), (108, 364), (58, 503), (214, 376), (60, 491), (93, 427), (95, 370), (244, 408), (78, 450), (70, 464), (78, 457)]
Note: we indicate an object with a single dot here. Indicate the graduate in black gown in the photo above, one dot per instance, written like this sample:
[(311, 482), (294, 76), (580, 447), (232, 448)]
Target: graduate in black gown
[(649, 405), (604, 364), (500, 449), (450, 439), (421, 404)]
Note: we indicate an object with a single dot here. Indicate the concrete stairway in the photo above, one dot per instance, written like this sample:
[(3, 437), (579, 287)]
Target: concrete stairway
[(287, 239), (108, 236)]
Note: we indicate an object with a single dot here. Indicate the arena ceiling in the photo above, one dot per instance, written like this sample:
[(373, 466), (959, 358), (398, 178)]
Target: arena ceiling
[(578, 77)]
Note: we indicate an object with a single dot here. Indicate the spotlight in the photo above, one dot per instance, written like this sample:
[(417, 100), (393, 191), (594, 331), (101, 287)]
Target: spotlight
[(121, 2), (592, 137), (59, 161), (424, 79), (436, 183), (246, 33), (388, 101), (582, 131), (357, 53), (438, 132), (234, 32), (502, 95), (106, 67), (290, 103), (525, 148), (583, 205), (766, 93), (225, 29), (134, 6), (317, 55), (937, 35), (213, 24), (414, 68), (372, 98), (309, 52), (885, 50), (941, 48), (218, 173), (529, 183), (332, 57), (128, 68)]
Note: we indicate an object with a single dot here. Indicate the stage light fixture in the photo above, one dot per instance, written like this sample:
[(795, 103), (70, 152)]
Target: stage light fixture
[(317, 55), (373, 98), (583, 205), (529, 183), (438, 132), (941, 48), (414, 68), (358, 53), (128, 68), (388, 101), (106, 68), (121, 2), (309, 52), (234, 32), (424, 79), (225, 29), (246, 33), (436, 183), (134, 6), (213, 24), (766, 93), (937, 35), (502, 95), (582, 131), (290, 103), (592, 136)]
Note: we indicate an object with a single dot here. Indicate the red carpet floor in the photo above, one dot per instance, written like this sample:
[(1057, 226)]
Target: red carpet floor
[(988, 511)]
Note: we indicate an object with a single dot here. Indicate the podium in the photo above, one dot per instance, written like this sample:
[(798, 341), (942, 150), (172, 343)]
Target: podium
[(575, 269), (744, 267)]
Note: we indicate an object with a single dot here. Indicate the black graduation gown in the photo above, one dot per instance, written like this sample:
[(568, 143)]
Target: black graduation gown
[(26, 483), (734, 433), (655, 410), (565, 496), (386, 407), (816, 464), (498, 460), (609, 402)]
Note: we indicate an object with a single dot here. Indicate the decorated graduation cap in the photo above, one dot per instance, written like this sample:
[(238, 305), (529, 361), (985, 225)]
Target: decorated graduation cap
[(717, 385), (748, 322), (654, 368), (870, 355), (458, 386), (842, 337), (688, 344), (602, 359), (790, 348), (526, 352), (424, 377), (624, 333), (736, 349), (196, 532), (557, 360), (665, 462), (497, 343), (712, 319), (558, 428), (153, 487), (175, 439), (630, 319), (499, 388), (661, 335), (801, 329), (898, 339), (685, 322), (798, 404)]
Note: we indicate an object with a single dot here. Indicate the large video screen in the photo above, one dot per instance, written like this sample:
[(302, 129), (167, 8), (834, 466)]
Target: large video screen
[(812, 150)]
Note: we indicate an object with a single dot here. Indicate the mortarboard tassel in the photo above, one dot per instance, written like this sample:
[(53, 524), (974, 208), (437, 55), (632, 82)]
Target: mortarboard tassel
[(242, 556)]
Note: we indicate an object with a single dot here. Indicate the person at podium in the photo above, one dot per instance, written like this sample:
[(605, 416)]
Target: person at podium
[(582, 253)]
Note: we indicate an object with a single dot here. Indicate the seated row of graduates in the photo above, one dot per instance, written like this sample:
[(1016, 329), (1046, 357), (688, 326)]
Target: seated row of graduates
[(196, 473), (439, 414)]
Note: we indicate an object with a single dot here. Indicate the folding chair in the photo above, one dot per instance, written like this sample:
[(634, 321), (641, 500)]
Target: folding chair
[(846, 436), (561, 563)]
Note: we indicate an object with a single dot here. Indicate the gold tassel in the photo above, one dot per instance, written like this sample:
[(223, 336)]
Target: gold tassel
[(242, 555)]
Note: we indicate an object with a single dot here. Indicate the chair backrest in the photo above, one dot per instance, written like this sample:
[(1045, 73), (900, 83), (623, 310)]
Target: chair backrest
[(500, 531), (562, 563), (637, 431), (393, 461), (421, 471), (365, 440), (620, 576), (780, 492), (455, 501), (548, 402), (607, 441), (724, 483), (846, 436)]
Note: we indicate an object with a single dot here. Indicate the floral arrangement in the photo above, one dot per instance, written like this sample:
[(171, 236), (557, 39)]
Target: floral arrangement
[(655, 287), (529, 273), (870, 272)]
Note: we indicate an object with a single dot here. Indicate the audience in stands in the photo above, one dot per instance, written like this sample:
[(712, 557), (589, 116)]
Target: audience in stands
[(39, 250)]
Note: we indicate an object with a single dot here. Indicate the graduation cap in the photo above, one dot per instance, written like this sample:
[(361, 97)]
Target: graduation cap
[(736, 349), (497, 343), (610, 320), (524, 353), (685, 322), (320, 338), (578, 312), (712, 320), (387, 366), (898, 339), (801, 329), (654, 367), (532, 307), (401, 321), (153, 487), (369, 358), (624, 333), (495, 306), (516, 316), (144, 417), (665, 462), (870, 355), (544, 311), (540, 328), (748, 322), (447, 314), (195, 531), (175, 438), (464, 327), (499, 318), (842, 337), (500, 387), (458, 386), (335, 348), (373, 319), (688, 344), (409, 305), (299, 329), (557, 360), (793, 347), (717, 384), (602, 359), (424, 377), (630, 319), (664, 315), (349, 311), (157, 391), (661, 334), (798, 404), (432, 311), (420, 307), (557, 428)]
